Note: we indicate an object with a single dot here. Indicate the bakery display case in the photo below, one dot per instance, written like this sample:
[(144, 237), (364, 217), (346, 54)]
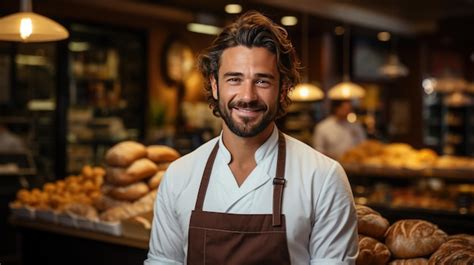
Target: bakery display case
[(403, 182), (107, 90)]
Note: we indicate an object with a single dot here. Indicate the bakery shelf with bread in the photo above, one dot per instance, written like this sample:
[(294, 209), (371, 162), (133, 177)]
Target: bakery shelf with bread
[(100, 198), (409, 241)]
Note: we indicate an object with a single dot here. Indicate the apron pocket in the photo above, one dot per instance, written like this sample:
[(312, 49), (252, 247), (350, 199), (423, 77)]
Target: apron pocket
[(237, 248)]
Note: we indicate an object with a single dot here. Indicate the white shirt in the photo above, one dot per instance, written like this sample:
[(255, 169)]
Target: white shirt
[(334, 137), (317, 202)]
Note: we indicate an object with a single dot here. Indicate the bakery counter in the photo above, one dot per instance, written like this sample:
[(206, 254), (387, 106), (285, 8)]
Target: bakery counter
[(46, 243)]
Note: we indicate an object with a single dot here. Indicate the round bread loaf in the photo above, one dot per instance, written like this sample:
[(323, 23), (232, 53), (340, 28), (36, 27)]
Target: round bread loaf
[(413, 238), (458, 251), (154, 181), (161, 153), (416, 261), (129, 193), (370, 222), (138, 170), (372, 252), (124, 153)]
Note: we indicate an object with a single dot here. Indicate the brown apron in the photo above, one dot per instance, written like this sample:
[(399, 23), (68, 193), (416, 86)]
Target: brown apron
[(236, 239)]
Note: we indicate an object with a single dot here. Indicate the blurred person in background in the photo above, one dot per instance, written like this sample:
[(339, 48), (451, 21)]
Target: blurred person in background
[(10, 142), (335, 135)]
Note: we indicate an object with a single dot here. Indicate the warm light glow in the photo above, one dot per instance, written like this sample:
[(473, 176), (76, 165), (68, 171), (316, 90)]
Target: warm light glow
[(351, 117), (429, 85), (26, 28), (204, 29), (346, 90), (233, 8), (289, 20), (393, 68), (306, 92), (383, 36), (339, 30), (75, 46)]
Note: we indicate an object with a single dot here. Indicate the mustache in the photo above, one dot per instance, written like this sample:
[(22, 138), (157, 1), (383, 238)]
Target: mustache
[(254, 105)]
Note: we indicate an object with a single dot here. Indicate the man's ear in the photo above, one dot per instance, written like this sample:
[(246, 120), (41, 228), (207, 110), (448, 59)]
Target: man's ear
[(214, 87)]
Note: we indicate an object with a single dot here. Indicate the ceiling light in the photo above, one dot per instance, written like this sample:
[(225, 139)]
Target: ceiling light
[(289, 20), (233, 8), (306, 92), (204, 29), (27, 26), (383, 36), (393, 68)]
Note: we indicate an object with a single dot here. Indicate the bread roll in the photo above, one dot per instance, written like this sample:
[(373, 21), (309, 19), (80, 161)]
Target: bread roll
[(458, 251), (138, 170), (105, 202), (161, 153), (154, 181), (413, 238), (370, 222), (372, 252), (124, 153), (417, 261), (129, 193)]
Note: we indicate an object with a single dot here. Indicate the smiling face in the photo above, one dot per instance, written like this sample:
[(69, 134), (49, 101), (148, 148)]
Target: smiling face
[(247, 90)]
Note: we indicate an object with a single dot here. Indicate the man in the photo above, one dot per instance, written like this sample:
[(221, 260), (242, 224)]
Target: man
[(335, 135), (253, 195)]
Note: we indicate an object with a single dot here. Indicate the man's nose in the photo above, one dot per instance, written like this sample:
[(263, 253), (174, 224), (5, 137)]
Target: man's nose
[(249, 91)]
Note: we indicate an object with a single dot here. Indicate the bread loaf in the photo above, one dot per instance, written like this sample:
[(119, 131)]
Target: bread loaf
[(129, 193), (416, 261), (138, 170), (372, 252), (124, 153), (458, 251), (413, 238), (144, 204), (370, 222), (154, 181), (105, 202), (161, 153)]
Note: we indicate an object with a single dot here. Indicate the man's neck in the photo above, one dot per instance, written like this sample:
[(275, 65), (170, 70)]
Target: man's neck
[(242, 151)]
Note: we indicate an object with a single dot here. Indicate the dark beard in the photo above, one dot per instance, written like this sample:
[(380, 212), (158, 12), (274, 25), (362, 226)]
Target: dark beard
[(247, 130)]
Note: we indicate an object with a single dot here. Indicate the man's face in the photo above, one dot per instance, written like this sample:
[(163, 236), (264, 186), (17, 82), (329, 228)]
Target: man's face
[(248, 89), (344, 109)]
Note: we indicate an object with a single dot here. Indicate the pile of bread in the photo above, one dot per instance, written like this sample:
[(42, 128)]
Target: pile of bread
[(126, 187), (64, 195), (409, 242), (133, 173), (400, 155)]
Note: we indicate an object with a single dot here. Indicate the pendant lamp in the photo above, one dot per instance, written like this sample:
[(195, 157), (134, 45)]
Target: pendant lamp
[(346, 90), (27, 26), (393, 68), (306, 91)]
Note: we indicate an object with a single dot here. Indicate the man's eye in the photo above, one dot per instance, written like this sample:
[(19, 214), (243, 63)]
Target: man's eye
[(262, 83), (233, 80)]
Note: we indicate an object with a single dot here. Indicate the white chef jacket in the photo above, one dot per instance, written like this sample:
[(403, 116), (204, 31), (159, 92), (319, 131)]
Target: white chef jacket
[(321, 222), (335, 137)]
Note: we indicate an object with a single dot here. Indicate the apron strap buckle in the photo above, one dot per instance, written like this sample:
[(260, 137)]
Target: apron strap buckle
[(279, 181)]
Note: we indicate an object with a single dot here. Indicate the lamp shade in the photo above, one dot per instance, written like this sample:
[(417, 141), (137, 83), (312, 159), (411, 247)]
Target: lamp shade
[(393, 68), (306, 92), (30, 27), (346, 90)]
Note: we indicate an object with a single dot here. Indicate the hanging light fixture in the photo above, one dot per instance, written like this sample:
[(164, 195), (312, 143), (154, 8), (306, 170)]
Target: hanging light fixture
[(346, 89), (393, 68), (306, 91), (26, 26)]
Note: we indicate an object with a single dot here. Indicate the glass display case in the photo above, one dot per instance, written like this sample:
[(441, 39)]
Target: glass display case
[(107, 89)]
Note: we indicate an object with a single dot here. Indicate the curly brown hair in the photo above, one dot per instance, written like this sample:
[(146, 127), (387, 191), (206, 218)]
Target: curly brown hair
[(253, 29)]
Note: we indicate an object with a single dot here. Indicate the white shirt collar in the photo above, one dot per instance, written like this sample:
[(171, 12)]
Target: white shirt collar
[(267, 148)]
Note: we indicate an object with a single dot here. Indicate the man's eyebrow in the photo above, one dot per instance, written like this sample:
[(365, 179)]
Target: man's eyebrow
[(233, 74), (269, 76)]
